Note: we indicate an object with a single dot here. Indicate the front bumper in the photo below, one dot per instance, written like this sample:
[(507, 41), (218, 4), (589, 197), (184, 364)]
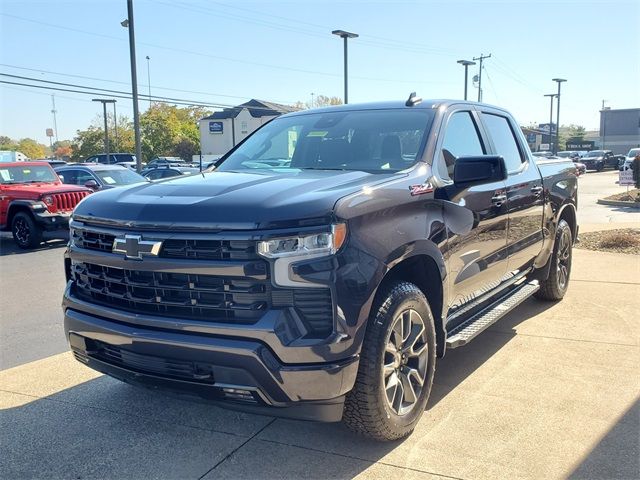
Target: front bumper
[(52, 221), (239, 373)]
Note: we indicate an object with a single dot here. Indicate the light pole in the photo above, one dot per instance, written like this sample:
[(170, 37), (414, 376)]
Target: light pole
[(149, 78), (128, 23), (115, 125), (104, 102), (480, 58), (551, 96), (603, 119), (466, 64), (345, 35), (559, 82), (312, 104)]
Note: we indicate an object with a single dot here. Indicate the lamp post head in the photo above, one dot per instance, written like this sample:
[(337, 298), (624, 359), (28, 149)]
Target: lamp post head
[(466, 63), (343, 34), (559, 80), (148, 57), (125, 23), (103, 100), (550, 94)]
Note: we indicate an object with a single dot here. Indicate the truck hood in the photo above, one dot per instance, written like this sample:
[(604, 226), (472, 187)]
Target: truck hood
[(228, 200)]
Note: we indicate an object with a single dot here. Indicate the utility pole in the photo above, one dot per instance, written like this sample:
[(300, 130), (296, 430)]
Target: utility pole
[(54, 111), (312, 104), (480, 58), (551, 97), (104, 102), (603, 119), (559, 82), (134, 82)]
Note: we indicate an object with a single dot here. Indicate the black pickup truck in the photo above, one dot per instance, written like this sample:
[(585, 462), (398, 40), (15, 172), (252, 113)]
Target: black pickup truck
[(320, 267)]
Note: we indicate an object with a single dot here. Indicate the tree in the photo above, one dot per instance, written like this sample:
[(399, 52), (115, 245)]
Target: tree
[(186, 149), (31, 148), (164, 127), (91, 141), (318, 101)]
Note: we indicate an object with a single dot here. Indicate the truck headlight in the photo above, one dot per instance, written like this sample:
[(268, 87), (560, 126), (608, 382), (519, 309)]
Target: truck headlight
[(316, 245)]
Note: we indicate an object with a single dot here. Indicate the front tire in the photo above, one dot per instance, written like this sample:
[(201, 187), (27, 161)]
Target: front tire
[(25, 231), (557, 283), (397, 366)]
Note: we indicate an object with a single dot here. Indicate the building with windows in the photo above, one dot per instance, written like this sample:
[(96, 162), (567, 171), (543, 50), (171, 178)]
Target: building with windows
[(221, 131), (619, 129)]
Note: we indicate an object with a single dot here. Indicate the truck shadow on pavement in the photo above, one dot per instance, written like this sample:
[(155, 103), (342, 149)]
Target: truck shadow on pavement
[(105, 428), (9, 247)]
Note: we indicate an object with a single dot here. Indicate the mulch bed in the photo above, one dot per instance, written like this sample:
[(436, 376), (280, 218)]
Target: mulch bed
[(623, 240), (632, 196)]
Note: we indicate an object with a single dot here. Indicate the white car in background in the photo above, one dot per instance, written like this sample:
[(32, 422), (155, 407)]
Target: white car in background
[(628, 162)]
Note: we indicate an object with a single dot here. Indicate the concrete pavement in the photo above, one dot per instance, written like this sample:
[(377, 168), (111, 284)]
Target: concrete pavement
[(551, 391), (595, 185)]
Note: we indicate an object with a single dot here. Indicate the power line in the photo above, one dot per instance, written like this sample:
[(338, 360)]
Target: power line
[(227, 59)]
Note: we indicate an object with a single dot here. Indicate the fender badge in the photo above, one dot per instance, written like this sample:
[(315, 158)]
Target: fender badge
[(420, 189)]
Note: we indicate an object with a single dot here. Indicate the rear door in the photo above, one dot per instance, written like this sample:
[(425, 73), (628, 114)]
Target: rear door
[(525, 195), (475, 217)]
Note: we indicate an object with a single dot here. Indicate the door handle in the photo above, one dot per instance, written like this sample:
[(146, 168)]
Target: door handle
[(498, 200), (537, 190)]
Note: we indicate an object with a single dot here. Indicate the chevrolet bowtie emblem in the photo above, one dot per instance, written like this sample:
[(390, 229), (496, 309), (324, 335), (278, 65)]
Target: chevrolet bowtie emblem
[(134, 247)]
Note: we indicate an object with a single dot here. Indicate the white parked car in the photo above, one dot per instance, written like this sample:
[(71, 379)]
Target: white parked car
[(628, 162)]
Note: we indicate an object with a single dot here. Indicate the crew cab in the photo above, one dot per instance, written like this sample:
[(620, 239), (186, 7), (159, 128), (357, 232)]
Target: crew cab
[(320, 268), (34, 200), (599, 160)]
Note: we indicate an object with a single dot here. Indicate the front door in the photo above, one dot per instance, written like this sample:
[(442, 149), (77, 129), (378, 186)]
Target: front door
[(525, 195), (475, 217)]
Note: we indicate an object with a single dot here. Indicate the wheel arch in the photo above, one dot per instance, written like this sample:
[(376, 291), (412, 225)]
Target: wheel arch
[(568, 213), (15, 207), (428, 274)]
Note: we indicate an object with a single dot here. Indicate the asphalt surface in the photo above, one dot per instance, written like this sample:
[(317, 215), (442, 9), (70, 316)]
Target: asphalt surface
[(550, 391)]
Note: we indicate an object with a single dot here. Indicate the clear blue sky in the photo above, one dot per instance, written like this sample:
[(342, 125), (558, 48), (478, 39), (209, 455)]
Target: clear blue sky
[(283, 51)]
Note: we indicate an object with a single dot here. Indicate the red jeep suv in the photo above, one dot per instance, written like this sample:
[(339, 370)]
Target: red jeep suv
[(33, 199)]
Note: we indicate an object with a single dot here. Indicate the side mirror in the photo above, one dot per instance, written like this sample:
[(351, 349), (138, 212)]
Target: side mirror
[(471, 171), (92, 184)]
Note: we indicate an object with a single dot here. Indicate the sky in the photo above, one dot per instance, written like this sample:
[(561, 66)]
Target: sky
[(227, 52)]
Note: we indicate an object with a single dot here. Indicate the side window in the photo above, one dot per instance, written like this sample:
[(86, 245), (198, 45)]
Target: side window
[(154, 174), (69, 176), (461, 139), (503, 140), (83, 177)]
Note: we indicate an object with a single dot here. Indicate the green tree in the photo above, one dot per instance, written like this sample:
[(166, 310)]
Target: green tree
[(318, 101), (91, 141), (164, 127), (32, 148)]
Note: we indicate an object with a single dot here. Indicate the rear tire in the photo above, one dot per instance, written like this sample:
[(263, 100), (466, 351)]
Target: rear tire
[(557, 283), (25, 231), (397, 366)]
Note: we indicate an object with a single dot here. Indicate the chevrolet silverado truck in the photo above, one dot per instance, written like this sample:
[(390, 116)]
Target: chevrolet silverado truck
[(319, 269), (34, 200)]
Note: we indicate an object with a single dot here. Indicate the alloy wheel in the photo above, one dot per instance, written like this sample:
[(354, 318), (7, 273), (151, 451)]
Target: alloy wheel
[(405, 362), (564, 259), (21, 230)]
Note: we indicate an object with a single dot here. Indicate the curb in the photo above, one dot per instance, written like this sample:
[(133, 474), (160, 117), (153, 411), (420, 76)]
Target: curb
[(617, 203)]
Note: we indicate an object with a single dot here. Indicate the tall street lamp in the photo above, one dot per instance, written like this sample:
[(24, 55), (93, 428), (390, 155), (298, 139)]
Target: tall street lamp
[(551, 97), (104, 102), (559, 82), (149, 78), (466, 64), (115, 126), (128, 23), (345, 35)]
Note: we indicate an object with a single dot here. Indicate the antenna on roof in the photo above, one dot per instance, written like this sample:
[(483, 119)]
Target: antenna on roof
[(413, 100)]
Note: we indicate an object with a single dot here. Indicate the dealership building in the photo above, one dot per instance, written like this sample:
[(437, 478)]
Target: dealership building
[(221, 131), (619, 129)]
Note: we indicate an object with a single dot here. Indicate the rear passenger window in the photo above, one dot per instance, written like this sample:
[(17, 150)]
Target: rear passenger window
[(503, 140), (461, 139)]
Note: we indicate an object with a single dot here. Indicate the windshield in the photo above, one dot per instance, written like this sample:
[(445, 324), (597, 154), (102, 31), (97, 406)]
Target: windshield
[(28, 174), (633, 152), (564, 154), (120, 176), (376, 141), (595, 153)]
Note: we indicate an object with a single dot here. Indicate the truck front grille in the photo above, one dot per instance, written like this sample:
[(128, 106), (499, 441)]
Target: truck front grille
[(200, 297), (175, 248), (63, 202)]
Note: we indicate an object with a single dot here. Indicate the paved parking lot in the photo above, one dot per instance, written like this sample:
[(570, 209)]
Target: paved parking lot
[(551, 391)]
